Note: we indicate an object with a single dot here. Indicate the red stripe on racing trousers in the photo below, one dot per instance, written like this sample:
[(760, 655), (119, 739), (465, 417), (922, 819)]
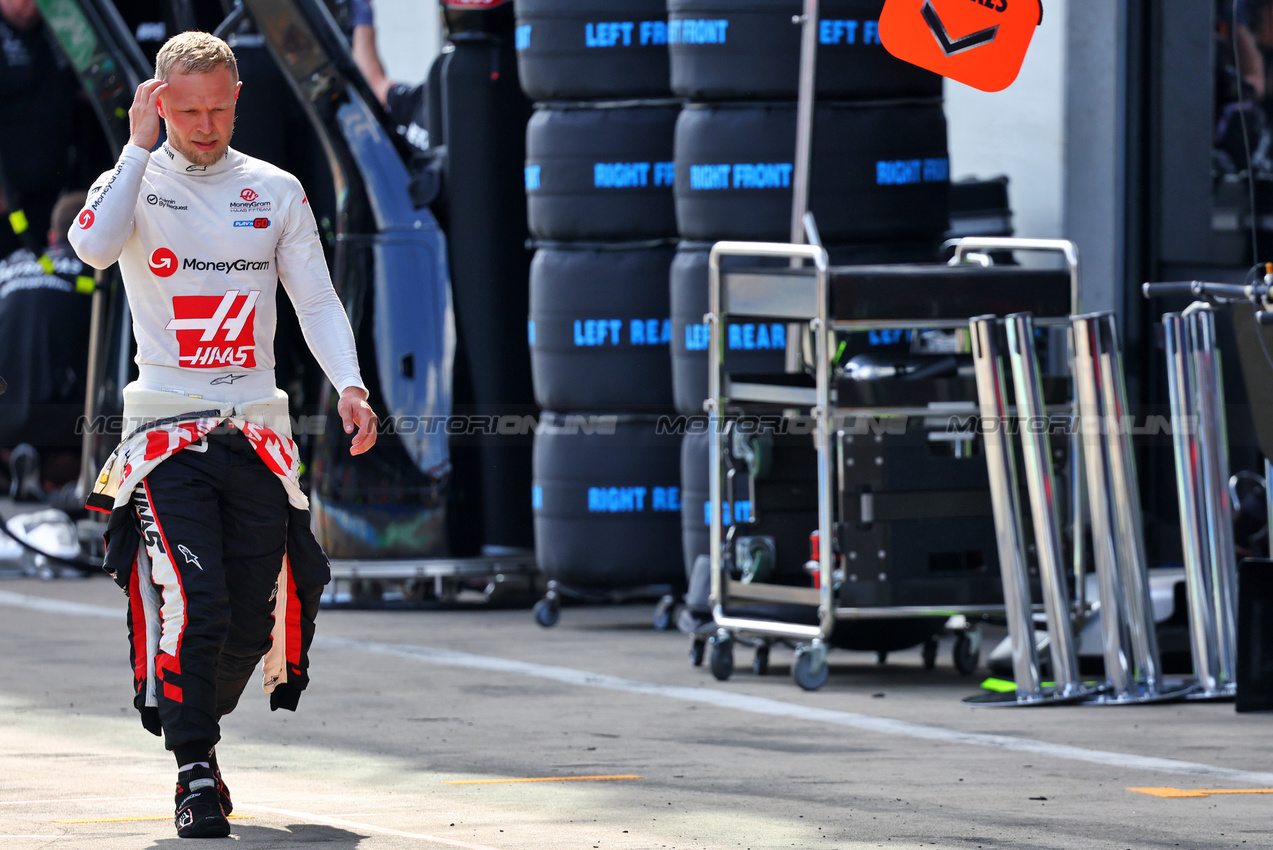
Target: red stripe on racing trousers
[(293, 645), (137, 625), (167, 663)]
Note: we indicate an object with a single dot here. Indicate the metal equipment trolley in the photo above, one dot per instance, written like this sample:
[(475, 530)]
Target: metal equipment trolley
[(819, 302)]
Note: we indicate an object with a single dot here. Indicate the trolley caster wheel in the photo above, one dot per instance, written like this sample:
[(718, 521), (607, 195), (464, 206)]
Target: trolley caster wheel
[(417, 590), (756, 557), (363, 591), (810, 667), (967, 652), (760, 664), (722, 656), (547, 612), (929, 652), (665, 614), (755, 450), (698, 648)]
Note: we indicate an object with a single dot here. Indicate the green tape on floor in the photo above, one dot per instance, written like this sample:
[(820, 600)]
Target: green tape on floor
[(1002, 686)]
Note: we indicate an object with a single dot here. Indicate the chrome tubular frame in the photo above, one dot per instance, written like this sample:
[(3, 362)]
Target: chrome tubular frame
[(988, 357), (1001, 465), (1201, 450), (1131, 648), (1037, 452), (1070, 252), (718, 307)]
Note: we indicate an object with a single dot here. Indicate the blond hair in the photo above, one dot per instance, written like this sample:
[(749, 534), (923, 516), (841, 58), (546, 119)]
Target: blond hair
[(194, 53)]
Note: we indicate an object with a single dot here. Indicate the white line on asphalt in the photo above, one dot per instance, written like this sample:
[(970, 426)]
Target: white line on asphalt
[(40, 837), (57, 606), (726, 699), (364, 826), (787, 710)]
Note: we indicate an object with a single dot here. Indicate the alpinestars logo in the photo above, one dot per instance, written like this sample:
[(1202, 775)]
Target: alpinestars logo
[(215, 332), (163, 262), (191, 557)]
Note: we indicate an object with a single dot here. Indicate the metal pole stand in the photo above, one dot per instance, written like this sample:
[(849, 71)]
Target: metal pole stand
[(1200, 444), (1132, 664), (988, 357)]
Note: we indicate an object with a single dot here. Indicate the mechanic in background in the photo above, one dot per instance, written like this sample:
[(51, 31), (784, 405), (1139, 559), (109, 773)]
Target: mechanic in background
[(49, 139), (44, 321)]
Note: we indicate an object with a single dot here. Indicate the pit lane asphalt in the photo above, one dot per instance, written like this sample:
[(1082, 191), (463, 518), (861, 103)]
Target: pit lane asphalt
[(404, 702)]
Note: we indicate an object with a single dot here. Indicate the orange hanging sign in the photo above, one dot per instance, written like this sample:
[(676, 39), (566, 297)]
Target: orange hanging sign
[(980, 43)]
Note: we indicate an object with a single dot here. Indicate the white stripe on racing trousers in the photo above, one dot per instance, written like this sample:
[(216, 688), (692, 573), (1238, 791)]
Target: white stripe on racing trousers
[(724, 699)]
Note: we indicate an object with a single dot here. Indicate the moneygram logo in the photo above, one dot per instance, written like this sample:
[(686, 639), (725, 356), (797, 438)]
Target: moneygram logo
[(248, 195), (215, 331), (163, 262), (981, 43), (225, 266), (86, 219)]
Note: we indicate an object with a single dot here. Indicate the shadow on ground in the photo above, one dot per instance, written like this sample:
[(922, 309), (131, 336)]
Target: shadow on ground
[(266, 836)]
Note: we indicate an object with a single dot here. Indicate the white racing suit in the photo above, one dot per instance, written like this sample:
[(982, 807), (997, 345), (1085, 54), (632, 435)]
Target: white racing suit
[(209, 533)]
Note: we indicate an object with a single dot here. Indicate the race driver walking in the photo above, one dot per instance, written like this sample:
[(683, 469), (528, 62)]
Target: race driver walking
[(209, 531)]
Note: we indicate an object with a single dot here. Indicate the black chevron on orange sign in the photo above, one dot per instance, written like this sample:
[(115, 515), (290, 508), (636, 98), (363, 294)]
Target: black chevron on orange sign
[(958, 45)]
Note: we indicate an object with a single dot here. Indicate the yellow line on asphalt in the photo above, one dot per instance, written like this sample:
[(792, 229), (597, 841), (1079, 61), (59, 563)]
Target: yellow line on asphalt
[(83, 800), (1181, 792), (129, 820), (541, 779)]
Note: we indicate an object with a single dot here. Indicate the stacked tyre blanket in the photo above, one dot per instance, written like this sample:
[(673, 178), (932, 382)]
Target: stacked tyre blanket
[(599, 199)]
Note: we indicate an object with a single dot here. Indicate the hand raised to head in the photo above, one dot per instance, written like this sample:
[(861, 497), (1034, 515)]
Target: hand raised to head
[(143, 115)]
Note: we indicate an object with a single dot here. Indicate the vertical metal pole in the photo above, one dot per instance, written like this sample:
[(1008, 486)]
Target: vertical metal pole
[(1078, 510), (1001, 465), (716, 359), (1037, 452), (1182, 398), (822, 416), (1078, 482), (1214, 450), (804, 122), (1087, 366), (1133, 563), (88, 475)]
